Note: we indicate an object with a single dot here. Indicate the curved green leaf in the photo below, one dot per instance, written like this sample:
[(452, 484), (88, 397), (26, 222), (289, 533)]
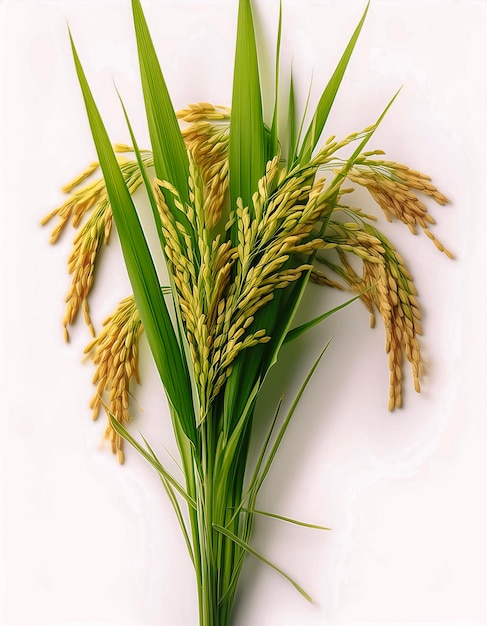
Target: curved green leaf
[(302, 328), (247, 155), (170, 157), (142, 273), (247, 548), (282, 518)]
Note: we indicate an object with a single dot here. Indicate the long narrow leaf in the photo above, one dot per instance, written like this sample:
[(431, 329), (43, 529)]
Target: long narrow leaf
[(274, 126), (292, 137), (260, 460), (230, 446), (281, 331), (143, 172), (179, 515), (301, 127), (282, 518), (143, 277), (285, 424), (302, 328), (170, 157), (151, 458), (327, 98), (157, 220), (247, 548), (185, 449), (247, 143)]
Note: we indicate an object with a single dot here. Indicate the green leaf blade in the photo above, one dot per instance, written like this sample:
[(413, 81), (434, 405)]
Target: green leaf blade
[(245, 546), (328, 96), (292, 132), (297, 331), (151, 458), (283, 518), (170, 157), (274, 139), (247, 153), (142, 273)]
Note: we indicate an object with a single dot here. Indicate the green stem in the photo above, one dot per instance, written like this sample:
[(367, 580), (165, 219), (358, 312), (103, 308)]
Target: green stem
[(219, 558)]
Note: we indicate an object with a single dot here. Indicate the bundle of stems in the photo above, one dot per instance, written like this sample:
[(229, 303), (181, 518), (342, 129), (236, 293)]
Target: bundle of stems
[(243, 228)]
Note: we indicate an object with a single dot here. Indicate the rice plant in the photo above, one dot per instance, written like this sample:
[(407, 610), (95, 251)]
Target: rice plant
[(243, 228)]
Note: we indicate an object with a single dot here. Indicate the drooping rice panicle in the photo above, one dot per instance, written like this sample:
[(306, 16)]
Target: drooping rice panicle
[(385, 285), (395, 188), (91, 195), (81, 264), (115, 353), (90, 202)]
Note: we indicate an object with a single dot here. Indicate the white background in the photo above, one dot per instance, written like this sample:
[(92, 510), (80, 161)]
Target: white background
[(85, 542)]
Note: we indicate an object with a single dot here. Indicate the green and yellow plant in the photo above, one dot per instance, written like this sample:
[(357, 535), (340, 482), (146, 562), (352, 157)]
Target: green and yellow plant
[(243, 227)]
